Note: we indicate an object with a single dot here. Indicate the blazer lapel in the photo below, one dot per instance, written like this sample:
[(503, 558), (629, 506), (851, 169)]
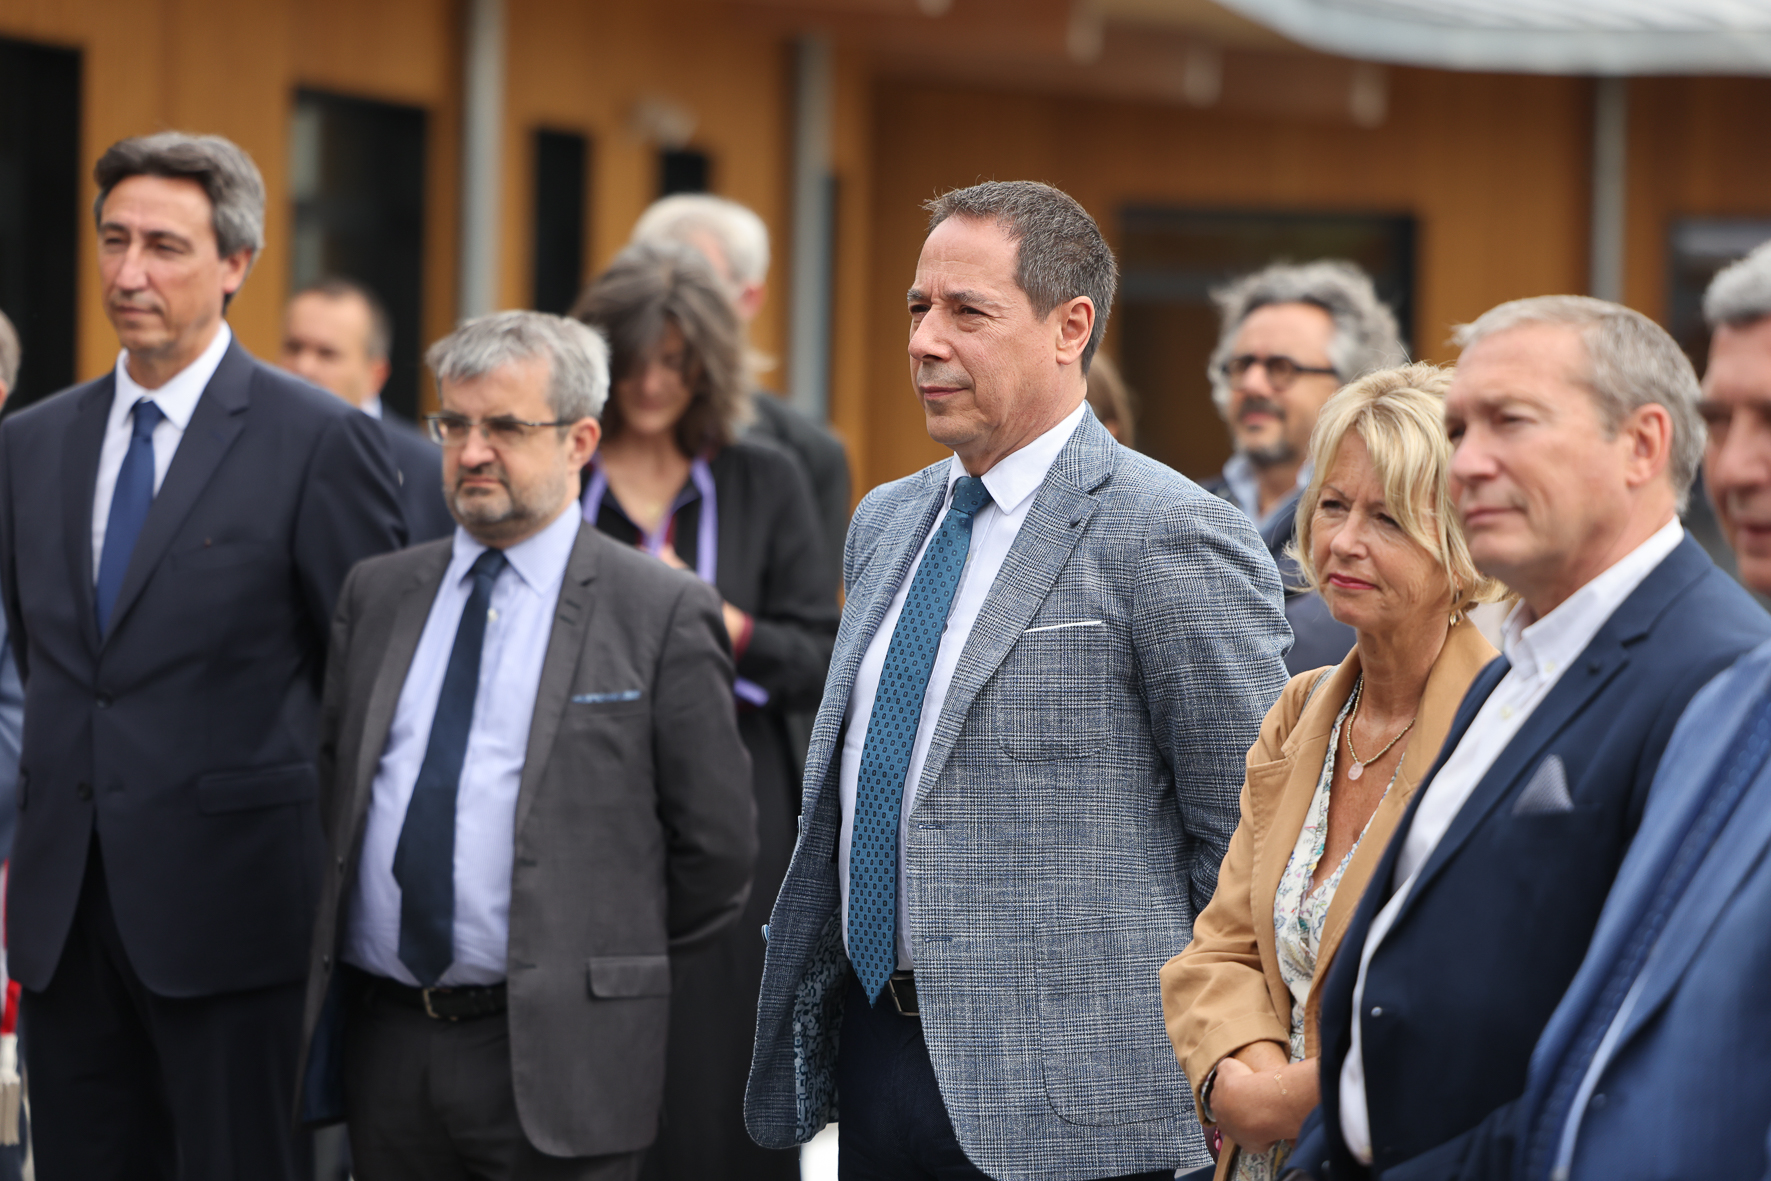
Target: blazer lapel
[(215, 424), (396, 661), (565, 645), (80, 452), (1055, 523)]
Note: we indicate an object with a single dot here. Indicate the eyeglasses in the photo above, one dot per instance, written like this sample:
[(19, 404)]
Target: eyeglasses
[(452, 430), (1281, 370)]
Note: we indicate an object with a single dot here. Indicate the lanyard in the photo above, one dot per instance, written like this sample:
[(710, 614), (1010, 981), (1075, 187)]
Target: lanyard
[(706, 540)]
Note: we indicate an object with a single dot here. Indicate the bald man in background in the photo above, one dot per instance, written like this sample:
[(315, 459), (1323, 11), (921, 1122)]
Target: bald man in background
[(337, 334)]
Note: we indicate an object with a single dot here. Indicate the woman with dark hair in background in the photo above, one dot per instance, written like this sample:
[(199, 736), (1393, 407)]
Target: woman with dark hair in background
[(672, 477)]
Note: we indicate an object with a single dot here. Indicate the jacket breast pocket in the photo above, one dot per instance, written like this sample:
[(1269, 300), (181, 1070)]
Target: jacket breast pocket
[(1050, 698), (238, 791), (206, 555), (627, 977)]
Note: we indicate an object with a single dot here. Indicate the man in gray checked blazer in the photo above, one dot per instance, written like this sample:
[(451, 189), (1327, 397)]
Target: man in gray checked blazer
[(1054, 656)]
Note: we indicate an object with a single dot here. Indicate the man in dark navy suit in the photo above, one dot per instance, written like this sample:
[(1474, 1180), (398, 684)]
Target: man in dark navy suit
[(337, 334), (1576, 439), (173, 537)]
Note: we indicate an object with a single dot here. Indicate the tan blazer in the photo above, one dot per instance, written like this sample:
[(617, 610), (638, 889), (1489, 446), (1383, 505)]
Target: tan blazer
[(1224, 991)]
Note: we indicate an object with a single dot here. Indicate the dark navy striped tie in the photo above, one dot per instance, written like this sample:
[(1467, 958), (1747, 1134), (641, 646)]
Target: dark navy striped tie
[(891, 733), (424, 859)]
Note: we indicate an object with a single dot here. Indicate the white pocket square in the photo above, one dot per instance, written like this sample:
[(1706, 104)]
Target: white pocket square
[(1547, 793)]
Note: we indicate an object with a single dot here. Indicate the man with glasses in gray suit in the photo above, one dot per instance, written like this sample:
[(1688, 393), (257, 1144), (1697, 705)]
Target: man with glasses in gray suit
[(1054, 655)]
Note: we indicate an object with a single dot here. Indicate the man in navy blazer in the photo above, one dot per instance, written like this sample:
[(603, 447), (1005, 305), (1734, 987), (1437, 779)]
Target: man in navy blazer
[(1576, 439), (1652, 1064), (173, 537)]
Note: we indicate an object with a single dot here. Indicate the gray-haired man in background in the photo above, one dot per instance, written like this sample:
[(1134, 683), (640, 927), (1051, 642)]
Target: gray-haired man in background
[(535, 791), (1291, 336)]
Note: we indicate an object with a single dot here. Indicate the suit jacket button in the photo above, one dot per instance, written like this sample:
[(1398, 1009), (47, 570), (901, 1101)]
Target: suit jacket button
[(104, 701), (83, 790), (1377, 1010), (326, 963), (341, 867)]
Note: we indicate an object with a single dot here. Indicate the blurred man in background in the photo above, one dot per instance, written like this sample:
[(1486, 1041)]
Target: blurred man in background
[(1291, 336), (735, 240), (338, 335), (173, 536)]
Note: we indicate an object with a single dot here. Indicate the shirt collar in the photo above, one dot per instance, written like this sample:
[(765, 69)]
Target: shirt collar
[(1019, 474), (373, 406), (1549, 644), (1245, 486), (540, 561), (177, 399)]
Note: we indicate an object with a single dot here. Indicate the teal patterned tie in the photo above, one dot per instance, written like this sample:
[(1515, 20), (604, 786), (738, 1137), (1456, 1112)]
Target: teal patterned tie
[(891, 733)]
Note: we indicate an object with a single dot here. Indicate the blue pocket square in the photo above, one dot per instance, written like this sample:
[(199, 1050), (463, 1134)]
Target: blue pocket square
[(1547, 793), (605, 698)]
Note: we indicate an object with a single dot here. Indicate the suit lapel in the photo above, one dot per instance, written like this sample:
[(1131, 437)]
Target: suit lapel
[(79, 469), (565, 646), (396, 661), (874, 588), (215, 424), (1055, 523)]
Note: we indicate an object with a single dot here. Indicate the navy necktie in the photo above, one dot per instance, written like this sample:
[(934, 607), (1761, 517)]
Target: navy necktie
[(424, 858), (891, 733), (1734, 774), (130, 502)]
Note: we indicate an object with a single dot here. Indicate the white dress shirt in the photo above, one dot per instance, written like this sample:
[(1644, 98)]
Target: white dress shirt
[(1245, 485), (1011, 484), (1538, 652), (177, 400), (518, 626)]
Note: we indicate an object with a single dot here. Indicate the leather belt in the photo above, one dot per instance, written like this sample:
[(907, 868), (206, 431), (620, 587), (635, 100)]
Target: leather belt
[(462, 1003), (901, 986)]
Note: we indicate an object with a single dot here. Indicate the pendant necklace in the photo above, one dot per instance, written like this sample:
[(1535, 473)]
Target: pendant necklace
[(1358, 767)]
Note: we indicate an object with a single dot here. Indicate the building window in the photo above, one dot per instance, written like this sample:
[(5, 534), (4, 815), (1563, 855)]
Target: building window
[(562, 172), (1166, 324), (356, 176), (1698, 247), (683, 170), (41, 214)]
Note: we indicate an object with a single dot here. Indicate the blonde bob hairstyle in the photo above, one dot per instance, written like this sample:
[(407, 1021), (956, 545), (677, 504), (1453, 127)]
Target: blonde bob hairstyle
[(1399, 413)]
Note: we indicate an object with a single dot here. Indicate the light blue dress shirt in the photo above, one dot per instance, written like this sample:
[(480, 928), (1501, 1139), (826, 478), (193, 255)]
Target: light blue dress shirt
[(518, 626)]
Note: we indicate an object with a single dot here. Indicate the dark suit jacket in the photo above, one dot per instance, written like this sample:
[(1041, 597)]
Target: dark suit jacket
[(186, 739), (1502, 910), (825, 462), (634, 827), (420, 464)]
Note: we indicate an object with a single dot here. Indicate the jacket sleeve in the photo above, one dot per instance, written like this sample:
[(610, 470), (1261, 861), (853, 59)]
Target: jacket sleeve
[(332, 707), (1215, 998), (350, 510), (1210, 634), (794, 626), (703, 772)]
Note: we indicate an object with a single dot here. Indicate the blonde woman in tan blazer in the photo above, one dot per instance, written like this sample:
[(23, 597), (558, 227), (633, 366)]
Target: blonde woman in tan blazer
[(1338, 757)]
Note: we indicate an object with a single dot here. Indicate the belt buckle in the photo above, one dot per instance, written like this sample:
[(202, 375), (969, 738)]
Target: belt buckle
[(429, 1011), (906, 996)]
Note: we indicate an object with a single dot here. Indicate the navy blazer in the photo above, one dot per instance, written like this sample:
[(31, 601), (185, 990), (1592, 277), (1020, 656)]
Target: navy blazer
[(185, 740), (1503, 908)]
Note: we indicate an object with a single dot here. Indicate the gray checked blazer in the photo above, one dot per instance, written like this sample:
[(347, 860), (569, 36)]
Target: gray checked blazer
[(1078, 797)]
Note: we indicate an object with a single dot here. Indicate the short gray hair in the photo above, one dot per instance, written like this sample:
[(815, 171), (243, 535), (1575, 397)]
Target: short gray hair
[(1741, 292), (10, 355), (229, 178), (1060, 251), (1365, 334), (1631, 363), (577, 358), (741, 234)]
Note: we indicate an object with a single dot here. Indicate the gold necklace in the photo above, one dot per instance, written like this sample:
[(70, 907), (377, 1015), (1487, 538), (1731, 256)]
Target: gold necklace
[(1358, 767)]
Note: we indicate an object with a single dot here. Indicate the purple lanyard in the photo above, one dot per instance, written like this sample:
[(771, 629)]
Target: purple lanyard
[(706, 540)]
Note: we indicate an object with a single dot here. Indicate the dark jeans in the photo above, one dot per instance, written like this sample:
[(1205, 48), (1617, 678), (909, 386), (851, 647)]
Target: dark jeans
[(893, 1125), (433, 1100), (131, 1086)]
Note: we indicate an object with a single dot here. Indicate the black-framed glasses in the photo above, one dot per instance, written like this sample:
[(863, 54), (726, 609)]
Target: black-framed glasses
[(1281, 369), (452, 430)]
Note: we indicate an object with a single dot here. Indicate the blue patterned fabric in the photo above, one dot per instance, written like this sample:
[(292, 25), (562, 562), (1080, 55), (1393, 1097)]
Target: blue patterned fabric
[(891, 733), (424, 859), (129, 508)]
